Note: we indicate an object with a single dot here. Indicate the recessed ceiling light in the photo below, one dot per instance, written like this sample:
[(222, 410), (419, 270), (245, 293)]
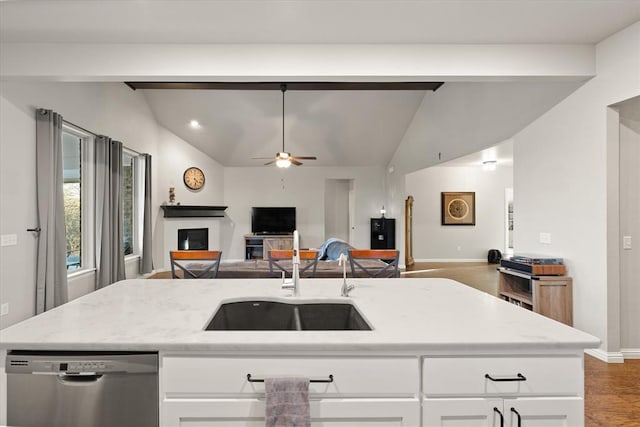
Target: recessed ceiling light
[(194, 124)]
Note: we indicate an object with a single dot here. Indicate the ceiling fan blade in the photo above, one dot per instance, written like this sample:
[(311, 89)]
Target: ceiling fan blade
[(305, 157), (295, 162), (270, 163), (262, 158)]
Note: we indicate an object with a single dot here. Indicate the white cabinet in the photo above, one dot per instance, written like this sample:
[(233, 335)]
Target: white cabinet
[(494, 412), (531, 391), (365, 392)]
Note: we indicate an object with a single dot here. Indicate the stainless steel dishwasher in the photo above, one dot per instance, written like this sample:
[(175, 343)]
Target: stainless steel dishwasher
[(81, 389)]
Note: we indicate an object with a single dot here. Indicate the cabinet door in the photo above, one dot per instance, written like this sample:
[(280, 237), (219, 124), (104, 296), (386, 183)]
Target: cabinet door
[(462, 412), (544, 412), (324, 413)]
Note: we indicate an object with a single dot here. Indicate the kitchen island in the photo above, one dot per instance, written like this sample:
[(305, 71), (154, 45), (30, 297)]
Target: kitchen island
[(438, 353)]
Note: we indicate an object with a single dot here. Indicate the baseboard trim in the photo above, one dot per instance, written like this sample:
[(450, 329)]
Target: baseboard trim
[(451, 260), (609, 357), (630, 353)]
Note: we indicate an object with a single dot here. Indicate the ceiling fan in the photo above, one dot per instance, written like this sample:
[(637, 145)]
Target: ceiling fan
[(284, 159)]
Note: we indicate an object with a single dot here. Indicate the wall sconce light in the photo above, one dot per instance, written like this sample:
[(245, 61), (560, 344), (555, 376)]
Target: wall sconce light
[(489, 165)]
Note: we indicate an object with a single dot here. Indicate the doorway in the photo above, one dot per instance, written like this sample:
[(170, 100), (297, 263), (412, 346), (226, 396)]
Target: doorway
[(338, 209)]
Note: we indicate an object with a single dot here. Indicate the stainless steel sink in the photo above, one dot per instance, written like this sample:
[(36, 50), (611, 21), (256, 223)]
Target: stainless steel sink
[(262, 315)]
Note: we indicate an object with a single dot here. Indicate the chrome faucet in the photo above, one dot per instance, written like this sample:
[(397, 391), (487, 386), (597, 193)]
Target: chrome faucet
[(342, 260), (294, 283)]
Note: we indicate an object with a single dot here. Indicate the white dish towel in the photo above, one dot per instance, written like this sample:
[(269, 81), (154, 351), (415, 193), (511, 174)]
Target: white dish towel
[(287, 402)]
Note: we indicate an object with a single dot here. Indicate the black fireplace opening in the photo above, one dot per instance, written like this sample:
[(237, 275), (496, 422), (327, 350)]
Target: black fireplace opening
[(193, 239)]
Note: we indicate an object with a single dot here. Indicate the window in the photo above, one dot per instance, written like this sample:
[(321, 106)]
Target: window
[(131, 202), (79, 199), (77, 191)]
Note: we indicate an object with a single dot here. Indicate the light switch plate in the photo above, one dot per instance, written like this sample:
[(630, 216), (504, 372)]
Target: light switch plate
[(545, 238), (4, 309), (9, 240), (626, 242)]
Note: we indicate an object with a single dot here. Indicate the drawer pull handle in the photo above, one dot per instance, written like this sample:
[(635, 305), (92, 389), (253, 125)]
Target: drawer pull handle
[(261, 380), (519, 377), (517, 415), (501, 416)]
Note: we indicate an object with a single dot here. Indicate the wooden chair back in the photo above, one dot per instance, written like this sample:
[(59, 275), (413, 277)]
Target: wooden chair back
[(361, 269), (308, 262), (195, 264)]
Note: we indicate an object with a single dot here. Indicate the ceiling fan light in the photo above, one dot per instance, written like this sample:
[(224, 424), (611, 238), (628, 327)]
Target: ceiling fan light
[(283, 155), (283, 163)]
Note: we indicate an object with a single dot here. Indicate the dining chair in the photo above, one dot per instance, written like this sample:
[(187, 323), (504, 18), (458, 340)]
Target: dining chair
[(363, 263), (195, 264), (280, 261)]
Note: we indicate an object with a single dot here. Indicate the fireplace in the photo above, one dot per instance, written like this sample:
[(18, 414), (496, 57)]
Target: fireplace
[(191, 239)]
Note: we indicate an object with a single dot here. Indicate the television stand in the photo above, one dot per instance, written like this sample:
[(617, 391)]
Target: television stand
[(257, 246)]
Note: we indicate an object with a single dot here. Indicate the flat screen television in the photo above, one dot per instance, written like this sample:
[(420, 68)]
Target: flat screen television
[(276, 220)]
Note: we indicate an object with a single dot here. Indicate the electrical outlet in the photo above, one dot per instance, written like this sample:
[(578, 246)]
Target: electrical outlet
[(9, 240), (545, 238), (459, 248), (4, 309), (626, 242)]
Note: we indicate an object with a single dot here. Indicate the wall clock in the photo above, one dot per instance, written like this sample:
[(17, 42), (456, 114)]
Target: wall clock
[(193, 178)]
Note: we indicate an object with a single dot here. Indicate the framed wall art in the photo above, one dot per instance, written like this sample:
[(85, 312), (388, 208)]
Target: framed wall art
[(458, 208)]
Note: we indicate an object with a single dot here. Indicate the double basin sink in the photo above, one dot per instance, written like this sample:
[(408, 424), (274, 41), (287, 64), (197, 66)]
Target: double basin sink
[(265, 315)]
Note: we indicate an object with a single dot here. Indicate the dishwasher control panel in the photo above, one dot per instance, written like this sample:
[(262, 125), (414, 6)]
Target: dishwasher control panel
[(79, 363)]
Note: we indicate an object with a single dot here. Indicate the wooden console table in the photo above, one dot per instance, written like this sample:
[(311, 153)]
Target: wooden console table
[(551, 296), (257, 246)]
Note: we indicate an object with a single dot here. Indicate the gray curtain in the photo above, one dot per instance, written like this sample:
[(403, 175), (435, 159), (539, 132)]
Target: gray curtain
[(109, 239), (146, 263), (51, 278)]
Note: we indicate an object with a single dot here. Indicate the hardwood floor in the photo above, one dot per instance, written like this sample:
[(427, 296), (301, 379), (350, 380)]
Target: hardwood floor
[(612, 390), (612, 393), (479, 275)]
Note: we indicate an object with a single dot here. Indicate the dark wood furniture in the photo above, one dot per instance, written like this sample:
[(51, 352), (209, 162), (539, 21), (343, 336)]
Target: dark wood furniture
[(383, 233)]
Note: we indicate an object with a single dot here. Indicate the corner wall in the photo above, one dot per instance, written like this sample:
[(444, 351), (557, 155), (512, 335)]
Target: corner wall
[(560, 181)]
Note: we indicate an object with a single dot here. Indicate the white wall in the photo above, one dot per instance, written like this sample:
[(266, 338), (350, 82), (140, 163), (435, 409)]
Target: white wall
[(560, 180), (630, 226), (433, 241), (17, 212), (302, 187)]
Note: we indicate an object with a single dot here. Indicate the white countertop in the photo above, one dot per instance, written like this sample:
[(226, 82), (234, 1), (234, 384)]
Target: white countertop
[(409, 316)]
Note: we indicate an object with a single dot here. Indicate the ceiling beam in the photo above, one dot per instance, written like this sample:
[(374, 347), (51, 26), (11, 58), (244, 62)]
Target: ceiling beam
[(311, 86)]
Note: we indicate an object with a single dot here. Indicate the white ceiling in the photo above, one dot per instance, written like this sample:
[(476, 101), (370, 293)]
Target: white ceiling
[(315, 21), (341, 128)]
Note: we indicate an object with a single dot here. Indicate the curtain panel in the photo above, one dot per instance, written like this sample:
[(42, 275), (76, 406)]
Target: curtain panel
[(109, 217), (51, 276), (146, 263)]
